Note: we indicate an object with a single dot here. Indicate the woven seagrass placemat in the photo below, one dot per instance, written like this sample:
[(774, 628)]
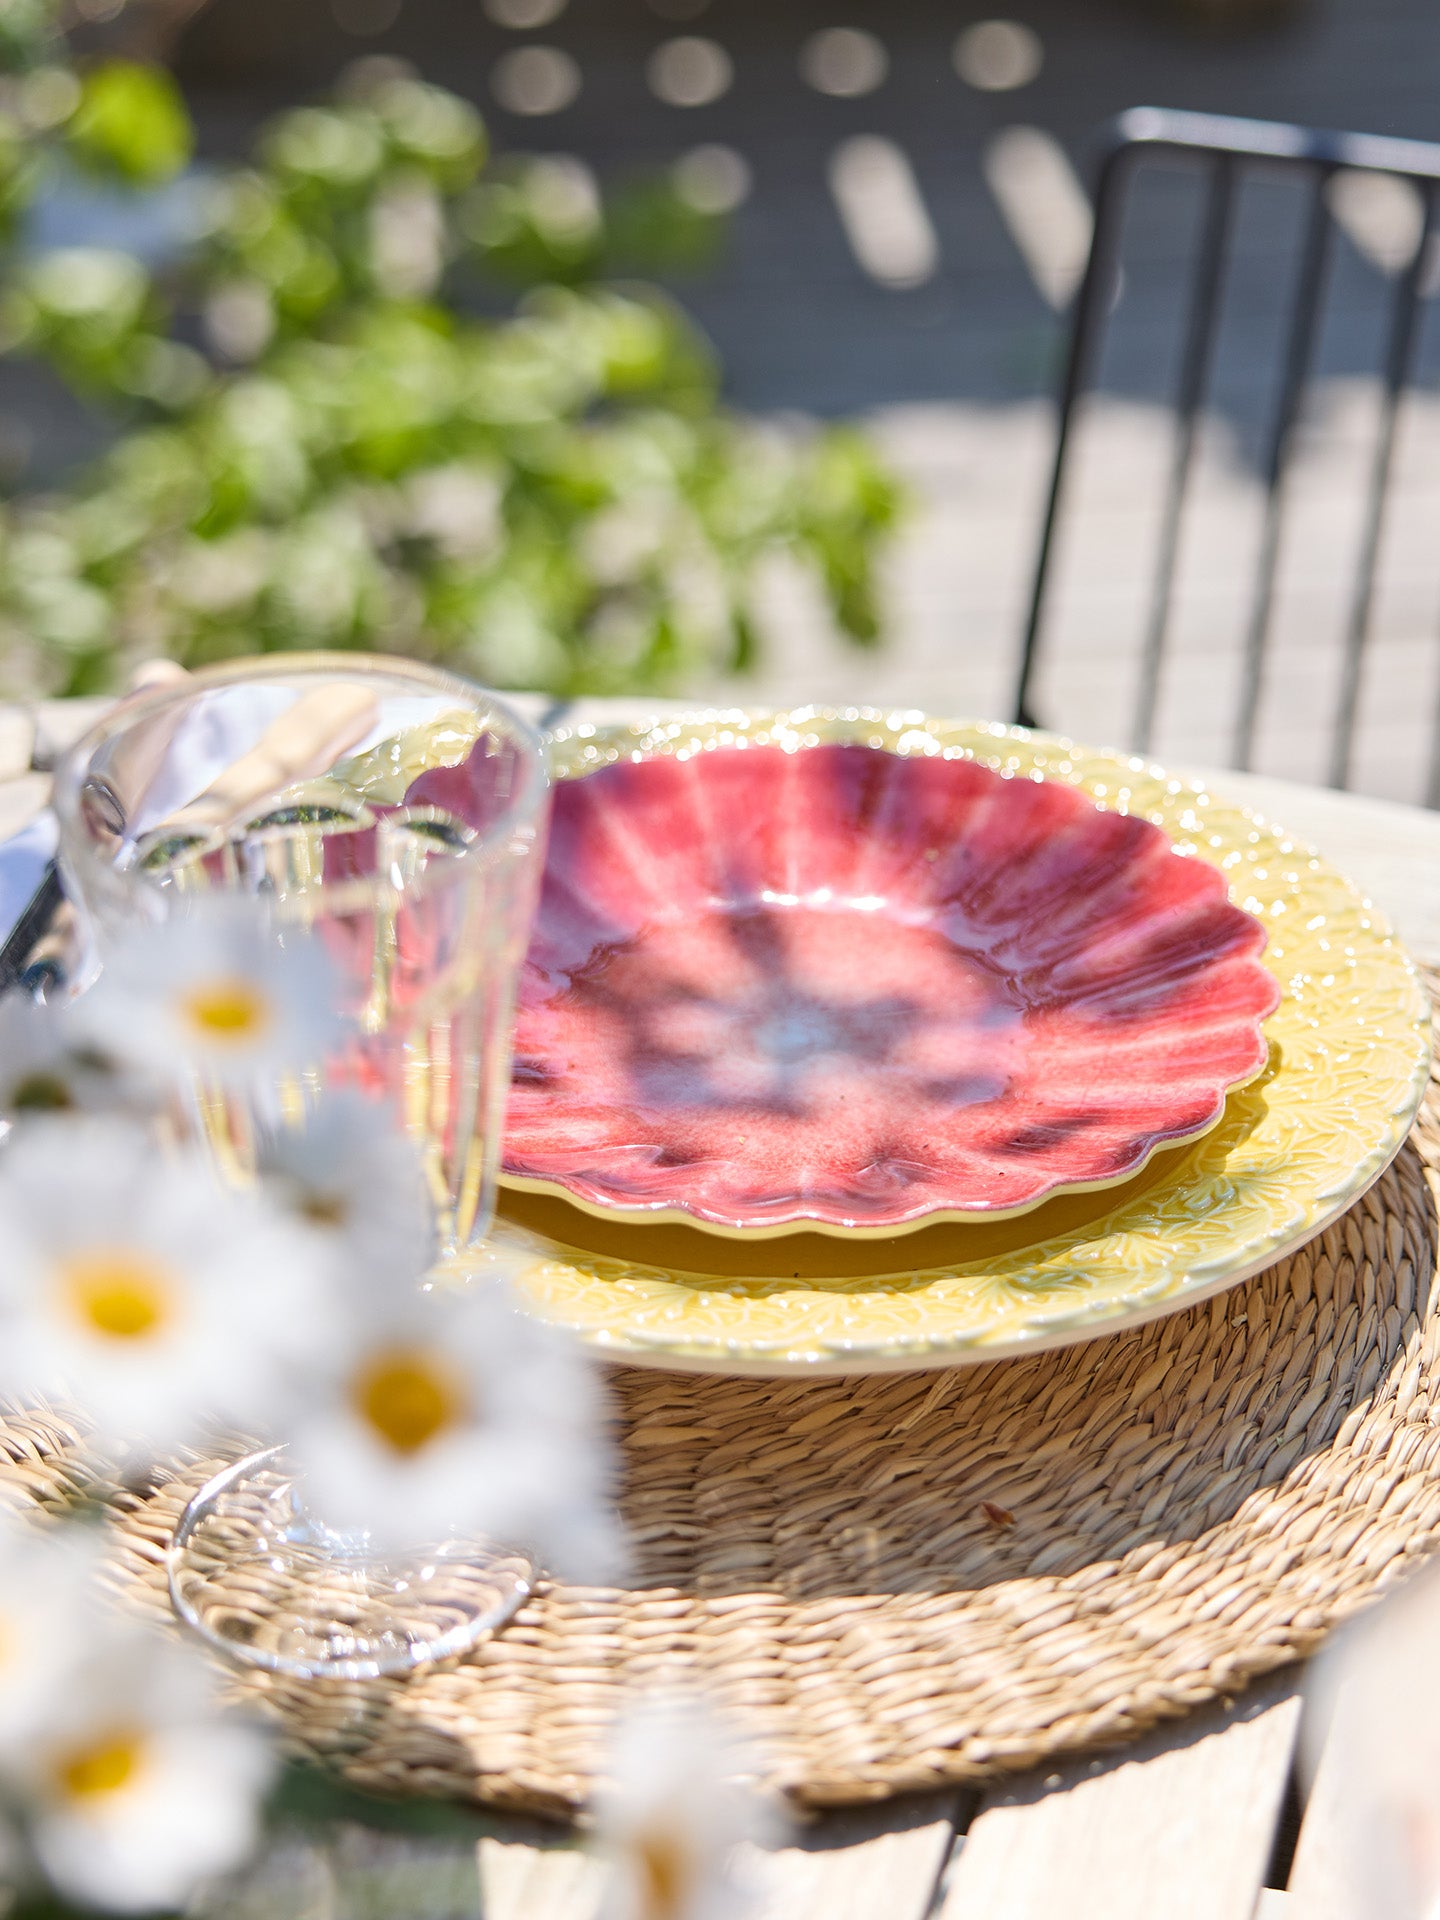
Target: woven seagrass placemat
[(908, 1580)]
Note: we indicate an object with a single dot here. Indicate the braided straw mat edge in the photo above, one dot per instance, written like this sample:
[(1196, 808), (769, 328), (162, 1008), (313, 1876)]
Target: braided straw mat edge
[(903, 1581)]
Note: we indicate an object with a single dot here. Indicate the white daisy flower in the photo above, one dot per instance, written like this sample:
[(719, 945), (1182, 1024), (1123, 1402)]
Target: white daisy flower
[(451, 1412), (217, 991), (44, 1070), (135, 1287), (356, 1188), (673, 1816), (47, 1598), (137, 1791)]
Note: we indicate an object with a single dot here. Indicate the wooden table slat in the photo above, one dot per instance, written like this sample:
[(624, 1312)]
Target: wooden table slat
[(859, 1864), (1180, 1825), (536, 1873), (853, 1865), (1317, 1889)]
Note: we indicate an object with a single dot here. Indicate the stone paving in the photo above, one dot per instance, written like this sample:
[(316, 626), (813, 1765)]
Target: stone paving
[(959, 583), (955, 372)]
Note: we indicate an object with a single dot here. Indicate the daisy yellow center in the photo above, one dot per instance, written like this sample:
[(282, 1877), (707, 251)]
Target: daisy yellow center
[(230, 1012), (407, 1397), (324, 1209), (662, 1863), (103, 1767), (118, 1293)]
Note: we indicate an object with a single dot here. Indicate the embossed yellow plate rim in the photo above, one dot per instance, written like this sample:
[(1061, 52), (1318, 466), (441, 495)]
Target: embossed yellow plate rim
[(1350, 1052)]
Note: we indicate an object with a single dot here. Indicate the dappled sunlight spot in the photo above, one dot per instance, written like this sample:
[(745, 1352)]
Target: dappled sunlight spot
[(883, 212), (523, 16), (365, 18), (713, 179), (1044, 206), (535, 80), (843, 61), (239, 320), (996, 56), (689, 71), (50, 95), (975, 472), (563, 194), (1382, 216)]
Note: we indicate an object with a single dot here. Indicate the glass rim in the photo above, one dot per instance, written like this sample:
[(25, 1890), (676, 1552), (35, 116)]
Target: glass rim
[(78, 846)]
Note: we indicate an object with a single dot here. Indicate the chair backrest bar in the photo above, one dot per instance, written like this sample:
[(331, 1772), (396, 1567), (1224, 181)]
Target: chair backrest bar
[(1223, 151)]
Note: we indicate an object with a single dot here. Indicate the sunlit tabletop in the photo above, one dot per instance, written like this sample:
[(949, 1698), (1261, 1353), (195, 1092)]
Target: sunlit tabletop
[(1199, 1821)]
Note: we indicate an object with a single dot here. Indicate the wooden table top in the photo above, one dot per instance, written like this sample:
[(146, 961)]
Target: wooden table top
[(1205, 1820)]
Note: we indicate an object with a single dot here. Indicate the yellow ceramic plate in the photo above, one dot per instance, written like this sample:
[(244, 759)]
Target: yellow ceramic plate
[(1349, 1053)]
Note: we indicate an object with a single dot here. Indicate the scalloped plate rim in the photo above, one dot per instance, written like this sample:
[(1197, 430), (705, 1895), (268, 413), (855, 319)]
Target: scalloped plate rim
[(1309, 1209), (801, 1221), (836, 1361), (663, 1216)]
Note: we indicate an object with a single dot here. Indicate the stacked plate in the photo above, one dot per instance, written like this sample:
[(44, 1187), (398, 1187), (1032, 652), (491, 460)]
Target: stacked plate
[(849, 1042)]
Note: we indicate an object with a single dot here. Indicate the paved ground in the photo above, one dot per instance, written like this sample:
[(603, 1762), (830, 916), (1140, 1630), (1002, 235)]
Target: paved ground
[(954, 369), (798, 322), (959, 582)]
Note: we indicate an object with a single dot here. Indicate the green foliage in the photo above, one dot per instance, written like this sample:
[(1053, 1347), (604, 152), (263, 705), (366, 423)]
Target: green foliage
[(29, 32), (541, 220), (315, 1800), (551, 499), (130, 121)]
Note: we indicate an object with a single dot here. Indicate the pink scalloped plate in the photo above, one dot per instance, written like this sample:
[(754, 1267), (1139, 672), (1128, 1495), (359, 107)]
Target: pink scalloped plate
[(853, 991)]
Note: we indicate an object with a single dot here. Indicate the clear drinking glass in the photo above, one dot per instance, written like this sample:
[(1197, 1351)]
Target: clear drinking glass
[(398, 813)]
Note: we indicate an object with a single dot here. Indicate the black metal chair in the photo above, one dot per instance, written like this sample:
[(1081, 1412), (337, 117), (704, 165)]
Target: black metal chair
[(1222, 153)]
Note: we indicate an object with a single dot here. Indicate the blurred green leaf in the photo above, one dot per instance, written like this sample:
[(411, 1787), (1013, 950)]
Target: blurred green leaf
[(131, 121), (89, 310), (309, 1796), (538, 221), (430, 128), (653, 228), (18, 175), (29, 33), (550, 498), (746, 648), (543, 221), (325, 150)]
